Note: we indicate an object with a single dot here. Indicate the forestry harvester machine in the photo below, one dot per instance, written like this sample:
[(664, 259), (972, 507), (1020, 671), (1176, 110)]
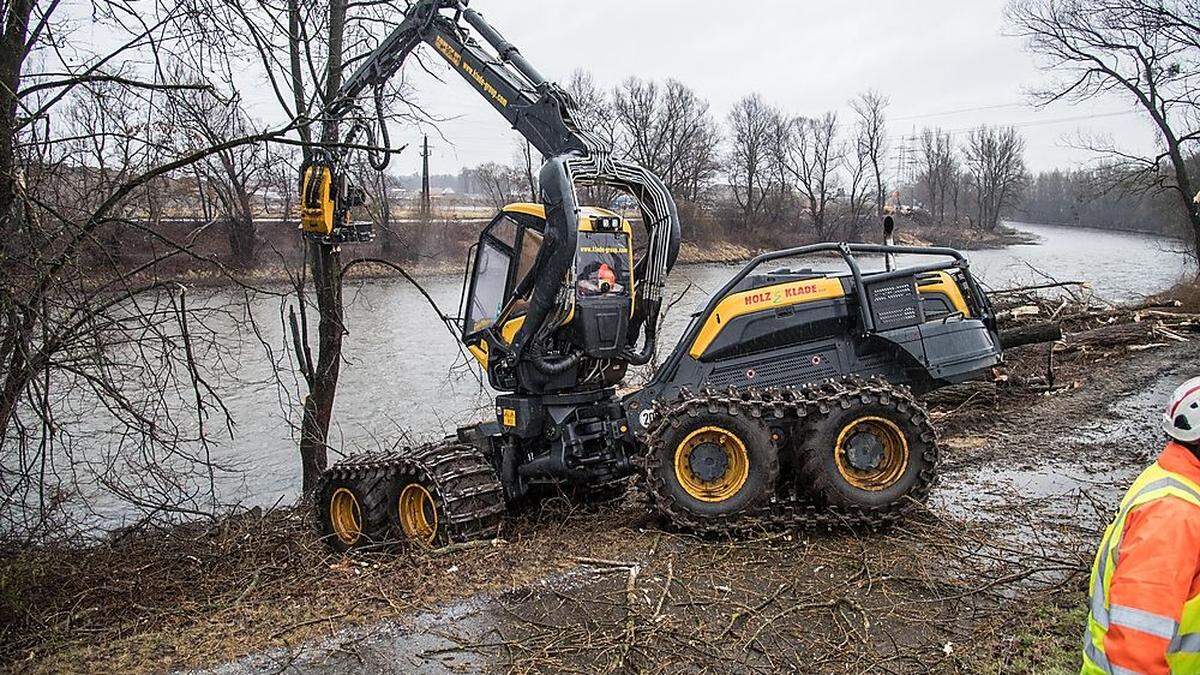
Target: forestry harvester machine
[(789, 400)]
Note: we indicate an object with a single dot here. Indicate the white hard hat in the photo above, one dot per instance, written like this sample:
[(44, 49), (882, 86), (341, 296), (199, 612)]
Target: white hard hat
[(1182, 417)]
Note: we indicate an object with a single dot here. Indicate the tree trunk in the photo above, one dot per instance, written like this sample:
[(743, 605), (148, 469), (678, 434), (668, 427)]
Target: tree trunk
[(1031, 335), (17, 369), (1194, 220), (241, 232), (327, 277), (318, 405), (12, 57)]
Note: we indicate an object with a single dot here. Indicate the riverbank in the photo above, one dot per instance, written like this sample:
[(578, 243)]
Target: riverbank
[(209, 272), (1032, 461)]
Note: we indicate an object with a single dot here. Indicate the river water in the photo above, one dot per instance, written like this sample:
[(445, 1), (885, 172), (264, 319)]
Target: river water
[(405, 378)]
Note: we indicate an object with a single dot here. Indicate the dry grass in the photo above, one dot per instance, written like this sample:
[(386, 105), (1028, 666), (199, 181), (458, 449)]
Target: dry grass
[(832, 601), (195, 595)]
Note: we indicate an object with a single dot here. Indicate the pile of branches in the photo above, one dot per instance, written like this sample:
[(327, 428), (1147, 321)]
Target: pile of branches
[(1055, 333), (1090, 324)]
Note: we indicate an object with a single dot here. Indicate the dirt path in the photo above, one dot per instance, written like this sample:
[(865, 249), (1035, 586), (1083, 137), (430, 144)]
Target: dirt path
[(984, 581)]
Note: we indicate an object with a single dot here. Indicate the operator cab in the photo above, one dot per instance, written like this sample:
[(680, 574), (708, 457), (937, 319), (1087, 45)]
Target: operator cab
[(591, 319)]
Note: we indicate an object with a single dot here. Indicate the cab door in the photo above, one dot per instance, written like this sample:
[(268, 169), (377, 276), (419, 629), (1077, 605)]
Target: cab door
[(505, 255)]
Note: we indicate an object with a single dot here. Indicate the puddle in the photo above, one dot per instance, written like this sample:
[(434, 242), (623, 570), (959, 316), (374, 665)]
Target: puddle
[(1096, 460)]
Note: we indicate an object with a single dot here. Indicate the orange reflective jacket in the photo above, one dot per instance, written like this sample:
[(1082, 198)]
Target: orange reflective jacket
[(1146, 584)]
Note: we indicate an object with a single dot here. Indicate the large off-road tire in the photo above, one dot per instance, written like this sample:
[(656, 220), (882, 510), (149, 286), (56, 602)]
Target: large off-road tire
[(443, 494), (352, 508), (709, 464), (868, 451)]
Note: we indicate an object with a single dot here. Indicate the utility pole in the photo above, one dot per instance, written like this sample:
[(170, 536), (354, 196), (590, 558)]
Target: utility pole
[(426, 201)]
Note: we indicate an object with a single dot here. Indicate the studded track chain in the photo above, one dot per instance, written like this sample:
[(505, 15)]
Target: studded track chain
[(472, 499), (797, 408)]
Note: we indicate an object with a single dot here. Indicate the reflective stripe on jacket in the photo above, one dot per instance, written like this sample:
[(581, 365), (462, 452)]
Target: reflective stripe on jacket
[(1145, 583)]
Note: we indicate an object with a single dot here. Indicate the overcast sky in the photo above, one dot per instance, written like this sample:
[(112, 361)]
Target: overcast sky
[(944, 63)]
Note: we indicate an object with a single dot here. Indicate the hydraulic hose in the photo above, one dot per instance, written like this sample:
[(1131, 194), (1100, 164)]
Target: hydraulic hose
[(641, 358), (548, 367), (380, 160), (562, 223)]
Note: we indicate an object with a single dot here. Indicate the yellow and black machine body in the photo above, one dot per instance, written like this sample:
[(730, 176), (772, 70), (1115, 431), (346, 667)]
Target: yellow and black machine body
[(791, 399)]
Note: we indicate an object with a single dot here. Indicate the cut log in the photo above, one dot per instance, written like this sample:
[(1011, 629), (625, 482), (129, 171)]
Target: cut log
[(1031, 335)]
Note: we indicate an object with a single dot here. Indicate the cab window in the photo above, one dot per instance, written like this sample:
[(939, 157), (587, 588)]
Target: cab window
[(603, 265), (531, 244), (506, 254), (488, 287)]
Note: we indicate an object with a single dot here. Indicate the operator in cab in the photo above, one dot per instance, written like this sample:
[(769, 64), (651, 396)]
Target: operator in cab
[(1145, 585)]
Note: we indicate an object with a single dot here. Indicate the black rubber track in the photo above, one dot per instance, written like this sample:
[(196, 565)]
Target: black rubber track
[(791, 408), (735, 414), (818, 473), (372, 487), (465, 490), (464, 485)]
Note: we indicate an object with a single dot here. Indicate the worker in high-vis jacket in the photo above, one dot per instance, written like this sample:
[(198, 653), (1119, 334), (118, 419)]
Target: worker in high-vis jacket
[(1145, 584)]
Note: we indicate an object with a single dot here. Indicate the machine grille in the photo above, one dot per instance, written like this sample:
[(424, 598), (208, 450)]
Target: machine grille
[(778, 369)]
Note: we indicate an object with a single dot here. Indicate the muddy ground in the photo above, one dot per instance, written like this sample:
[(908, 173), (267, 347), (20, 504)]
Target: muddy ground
[(1005, 543), (988, 578)]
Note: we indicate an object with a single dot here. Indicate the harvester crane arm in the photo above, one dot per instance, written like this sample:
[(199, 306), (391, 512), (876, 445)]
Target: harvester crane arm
[(543, 113)]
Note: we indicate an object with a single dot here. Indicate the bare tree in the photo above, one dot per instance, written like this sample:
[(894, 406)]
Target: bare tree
[(870, 111), (995, 159), (815, 158), (668, 129), (938, 169), (861, 188), (1147, 51), (316, 39), (753, 125), (394, 242), (105, 369), (502, 184), (593, 109), (233, 175)]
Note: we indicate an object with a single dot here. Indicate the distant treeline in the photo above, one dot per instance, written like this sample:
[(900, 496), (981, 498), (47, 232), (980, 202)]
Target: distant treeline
[(1101, 198)]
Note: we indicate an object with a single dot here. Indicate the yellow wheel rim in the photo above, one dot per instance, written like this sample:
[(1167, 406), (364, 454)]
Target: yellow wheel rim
[(345, 516), (418, 514), (712, 464), (871, 453)]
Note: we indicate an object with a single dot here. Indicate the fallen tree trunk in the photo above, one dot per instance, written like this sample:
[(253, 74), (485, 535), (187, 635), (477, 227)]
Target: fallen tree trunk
[(1030, 335)]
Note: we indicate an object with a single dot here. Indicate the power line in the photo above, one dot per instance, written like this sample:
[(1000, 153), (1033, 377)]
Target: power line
[(1030, 123), (960, 111)]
